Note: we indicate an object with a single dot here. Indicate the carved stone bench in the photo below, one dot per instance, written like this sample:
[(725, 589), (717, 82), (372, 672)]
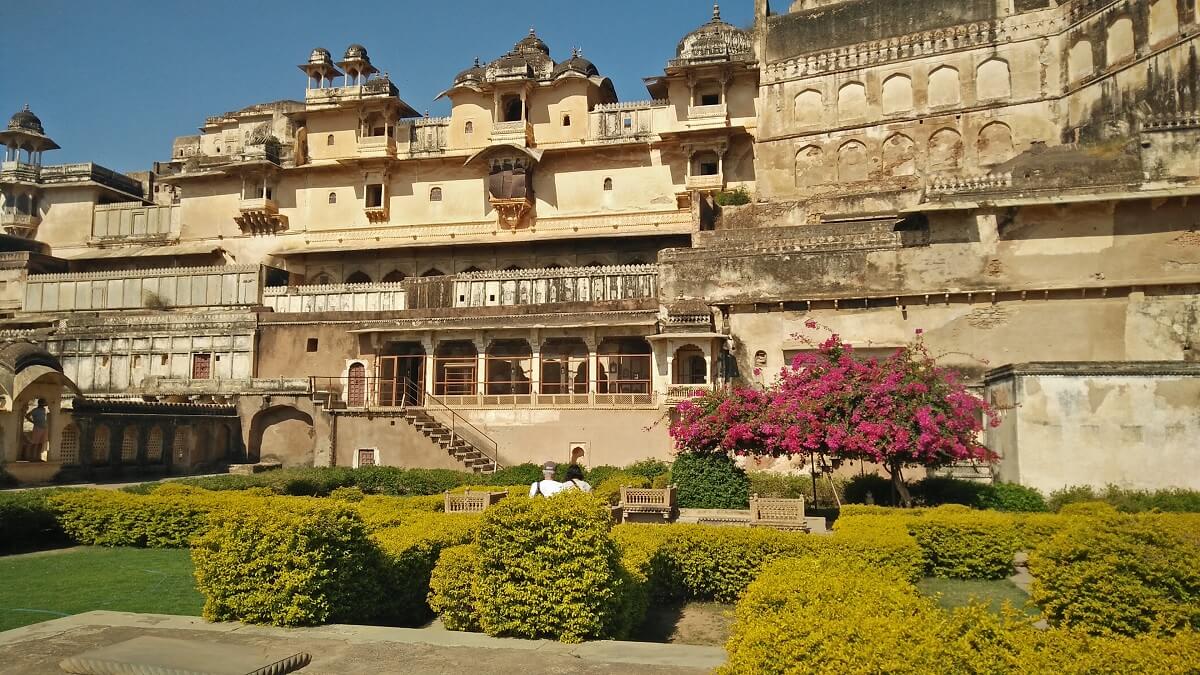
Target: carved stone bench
[(777, 512), (656, 501), (472, 502)]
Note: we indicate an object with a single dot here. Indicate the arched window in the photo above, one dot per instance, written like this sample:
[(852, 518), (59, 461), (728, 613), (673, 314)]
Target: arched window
[(435, 194), (608, 185), (358, 278), (329, 139), (393, 277), (690, 366), (154, 444), (332, 197), (101, 444), (469, 127), (564, 366), (566, 120), (433, 272), (322, 279)]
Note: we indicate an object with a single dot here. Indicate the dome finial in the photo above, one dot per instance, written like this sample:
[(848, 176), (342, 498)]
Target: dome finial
[(532, 32), (716, 11), (476, 61), (26, 107)]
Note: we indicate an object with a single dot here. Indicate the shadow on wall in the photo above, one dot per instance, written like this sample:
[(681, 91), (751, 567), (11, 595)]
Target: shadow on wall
[(282, 434)]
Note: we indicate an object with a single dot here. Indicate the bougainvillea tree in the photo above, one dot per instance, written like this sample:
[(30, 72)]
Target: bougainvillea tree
[(902, 410)]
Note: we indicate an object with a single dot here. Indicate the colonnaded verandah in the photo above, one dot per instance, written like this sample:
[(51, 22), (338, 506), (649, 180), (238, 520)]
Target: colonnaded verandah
[(548, 270)]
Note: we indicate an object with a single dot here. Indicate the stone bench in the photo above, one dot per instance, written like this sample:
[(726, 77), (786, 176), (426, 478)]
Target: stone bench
[(778, 513), (472, 502), (653, 501)]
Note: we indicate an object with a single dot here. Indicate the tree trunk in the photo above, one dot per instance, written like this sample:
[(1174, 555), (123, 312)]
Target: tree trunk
[(899, 486)]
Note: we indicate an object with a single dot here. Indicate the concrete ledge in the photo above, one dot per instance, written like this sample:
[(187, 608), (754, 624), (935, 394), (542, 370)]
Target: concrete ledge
[(637, 653)]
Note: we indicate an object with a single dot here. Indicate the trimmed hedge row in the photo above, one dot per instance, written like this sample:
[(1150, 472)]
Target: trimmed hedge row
[(173, 514), (1126, 500), (844, 616), (1124, 575), (27, 520)]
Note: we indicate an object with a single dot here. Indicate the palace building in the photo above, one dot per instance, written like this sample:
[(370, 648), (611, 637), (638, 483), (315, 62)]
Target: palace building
[(547, 271)]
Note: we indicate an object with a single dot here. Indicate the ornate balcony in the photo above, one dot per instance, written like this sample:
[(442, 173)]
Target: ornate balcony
[(377, 146), (705, 183), (512, 133), (260, 216), (19, 172), (19, 224), (708, 116)]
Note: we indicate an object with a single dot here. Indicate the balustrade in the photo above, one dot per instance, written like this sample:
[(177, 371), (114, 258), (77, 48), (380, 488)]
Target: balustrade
[(337, 298), (134, 220)]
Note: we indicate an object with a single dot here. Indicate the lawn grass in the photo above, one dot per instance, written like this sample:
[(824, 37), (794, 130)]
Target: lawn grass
[(52, 584), (951, 593)]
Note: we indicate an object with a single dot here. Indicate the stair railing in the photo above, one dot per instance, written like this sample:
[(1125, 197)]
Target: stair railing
[(457, 424)]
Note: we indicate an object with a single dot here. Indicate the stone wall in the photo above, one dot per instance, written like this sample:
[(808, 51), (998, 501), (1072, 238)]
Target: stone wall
[(1132, 424)]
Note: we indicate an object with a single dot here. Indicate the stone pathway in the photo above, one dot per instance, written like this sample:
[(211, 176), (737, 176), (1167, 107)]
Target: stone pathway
[(351, 650)]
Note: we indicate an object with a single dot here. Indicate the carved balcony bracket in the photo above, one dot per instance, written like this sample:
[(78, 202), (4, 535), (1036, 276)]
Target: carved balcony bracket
[(513, 214)]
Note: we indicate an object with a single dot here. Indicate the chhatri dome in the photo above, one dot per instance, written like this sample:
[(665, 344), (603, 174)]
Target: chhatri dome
[(26, 120), (715, 41)]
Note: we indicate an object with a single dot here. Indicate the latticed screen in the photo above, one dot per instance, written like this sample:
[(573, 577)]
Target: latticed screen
[(68, 445), (154, 445), (366, 458), (129, 445), (178, 444), (100, 445)]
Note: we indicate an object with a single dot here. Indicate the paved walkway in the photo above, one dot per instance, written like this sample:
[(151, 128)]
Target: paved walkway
[(351, 650)]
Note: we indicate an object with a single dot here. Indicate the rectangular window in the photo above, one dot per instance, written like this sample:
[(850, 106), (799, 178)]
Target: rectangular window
[(311, 345), (201, 366), (708, 168), (366, 457), (374, 195), (710, 99)]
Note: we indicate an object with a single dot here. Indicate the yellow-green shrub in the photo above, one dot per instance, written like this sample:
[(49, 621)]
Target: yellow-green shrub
[(549, 569), (815, 615), (1092, 509), (450, 587), (288, 565), (959, 543), (1035, 529), (609, 490), (717, 563), (409, 555), (1126, 575), (113, 518), (870, 510)]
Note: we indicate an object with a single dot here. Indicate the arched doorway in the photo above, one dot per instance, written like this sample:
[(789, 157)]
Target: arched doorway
[(282, 434), (564, 366), (690, 366), (356, 385), (401, 368)]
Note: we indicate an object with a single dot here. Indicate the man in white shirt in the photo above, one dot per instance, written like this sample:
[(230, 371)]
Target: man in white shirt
[(547, 486)]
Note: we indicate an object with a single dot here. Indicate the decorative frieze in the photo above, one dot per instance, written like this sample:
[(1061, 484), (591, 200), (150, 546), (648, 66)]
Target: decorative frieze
[(981, 183)]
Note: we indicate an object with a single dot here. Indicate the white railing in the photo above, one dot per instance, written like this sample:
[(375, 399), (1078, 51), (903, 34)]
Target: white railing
[(378, 297), (574, 284), (134, 220), (697, 112)]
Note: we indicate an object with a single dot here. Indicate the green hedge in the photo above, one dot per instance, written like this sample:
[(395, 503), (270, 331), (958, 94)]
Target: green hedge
[(792, 486), (28, 520), (1128, 500), (289, 566), (709, 481), (843, 616), (1126, 575), (959, 543), (114, 518), (549, 569)]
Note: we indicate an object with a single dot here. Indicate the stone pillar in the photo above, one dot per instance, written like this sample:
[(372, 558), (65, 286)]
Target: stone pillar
[(593, 362)]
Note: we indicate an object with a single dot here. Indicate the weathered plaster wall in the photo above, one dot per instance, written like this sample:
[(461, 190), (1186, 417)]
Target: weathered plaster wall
[(398, 443), (616, 437), (1080, 429)]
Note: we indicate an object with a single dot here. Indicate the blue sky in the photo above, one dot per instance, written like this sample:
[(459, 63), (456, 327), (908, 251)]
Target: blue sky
[(114, 82)]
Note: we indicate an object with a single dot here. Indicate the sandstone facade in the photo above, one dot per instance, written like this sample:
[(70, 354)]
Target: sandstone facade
[(545, 272)]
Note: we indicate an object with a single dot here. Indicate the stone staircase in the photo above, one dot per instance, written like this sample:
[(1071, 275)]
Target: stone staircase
[(458, 447), (454, 444)]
